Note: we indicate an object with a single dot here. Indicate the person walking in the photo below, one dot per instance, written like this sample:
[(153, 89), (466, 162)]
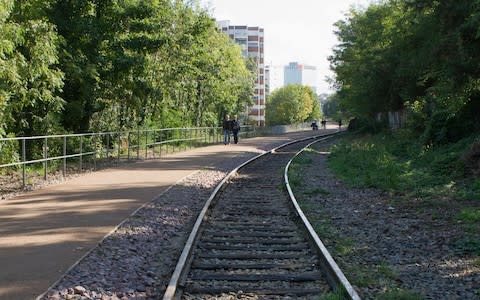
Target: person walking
[(235, 129), (227, 127)]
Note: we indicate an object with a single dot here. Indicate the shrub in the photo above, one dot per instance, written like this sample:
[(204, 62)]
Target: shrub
[(9, 152), (363, 126), (471, 159)]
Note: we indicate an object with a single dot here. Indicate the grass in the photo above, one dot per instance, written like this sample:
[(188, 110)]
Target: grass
[(295, 177), (316, 191), (438, 176), (339, 294), (399, 295), (387, 162)]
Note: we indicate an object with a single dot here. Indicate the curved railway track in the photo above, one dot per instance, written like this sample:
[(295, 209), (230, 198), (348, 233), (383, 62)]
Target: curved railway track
[(250, 242)]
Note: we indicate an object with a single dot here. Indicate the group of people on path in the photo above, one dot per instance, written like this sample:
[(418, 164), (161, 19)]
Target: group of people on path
[(314, 124), (230, 127)]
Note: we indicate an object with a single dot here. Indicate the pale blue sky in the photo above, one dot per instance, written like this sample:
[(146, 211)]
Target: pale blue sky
[(295, 30)]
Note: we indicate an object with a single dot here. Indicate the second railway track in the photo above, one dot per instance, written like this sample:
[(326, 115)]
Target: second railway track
[(249, 243)]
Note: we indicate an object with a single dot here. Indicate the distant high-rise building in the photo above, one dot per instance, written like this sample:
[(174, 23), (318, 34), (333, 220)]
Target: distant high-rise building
[(251, 41), (295, 73)]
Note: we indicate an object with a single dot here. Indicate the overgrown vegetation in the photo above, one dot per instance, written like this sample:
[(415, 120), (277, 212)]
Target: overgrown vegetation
[(393, 161), (437, 175), (416, 57), (339, 245), (108, 65)]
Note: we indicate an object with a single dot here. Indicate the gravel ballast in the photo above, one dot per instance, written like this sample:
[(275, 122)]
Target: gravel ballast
[(136, 260), (384, 245)]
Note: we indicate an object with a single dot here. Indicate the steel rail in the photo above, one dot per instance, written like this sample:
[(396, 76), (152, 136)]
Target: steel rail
[(182, 263), (334, 274)]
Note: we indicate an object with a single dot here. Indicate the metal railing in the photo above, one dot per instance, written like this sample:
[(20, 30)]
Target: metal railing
[(61, 152)]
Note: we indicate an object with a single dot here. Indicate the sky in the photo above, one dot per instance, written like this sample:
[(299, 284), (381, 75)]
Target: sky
[(295, 30)]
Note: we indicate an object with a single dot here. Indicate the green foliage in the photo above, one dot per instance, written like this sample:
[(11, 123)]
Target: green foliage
[(30, 80), (367, 163), (292, 104), (316, 191), (400, 295), (363, 126), (395, 162), (93, 65), (470, 216), (9, 152), (338, 295), (316, 113), (331, 107), (415, 56)]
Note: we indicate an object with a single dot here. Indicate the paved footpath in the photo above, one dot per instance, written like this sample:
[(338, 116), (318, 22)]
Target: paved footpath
[(44, 232)]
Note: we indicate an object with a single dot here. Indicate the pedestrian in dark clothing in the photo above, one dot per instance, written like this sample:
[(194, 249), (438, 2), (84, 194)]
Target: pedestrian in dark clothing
[(235, 129), (227, 128), (339, 123), (324, 124)]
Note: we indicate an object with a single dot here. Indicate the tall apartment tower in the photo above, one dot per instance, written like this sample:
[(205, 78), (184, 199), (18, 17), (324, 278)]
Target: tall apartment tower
[(251, 41), (295, 73)]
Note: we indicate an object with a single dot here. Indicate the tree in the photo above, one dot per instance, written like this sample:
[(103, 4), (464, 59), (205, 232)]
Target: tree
[(93, 65), (30, 81), (416, 55), (135, 63), (291, 104)]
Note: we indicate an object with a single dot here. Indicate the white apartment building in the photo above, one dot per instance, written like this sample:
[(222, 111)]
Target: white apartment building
[(273, 78), (251, 41)]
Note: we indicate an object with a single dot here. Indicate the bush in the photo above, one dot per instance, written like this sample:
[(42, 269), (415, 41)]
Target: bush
[(363, 126), (9, 151), (395, 162), (471, 159)]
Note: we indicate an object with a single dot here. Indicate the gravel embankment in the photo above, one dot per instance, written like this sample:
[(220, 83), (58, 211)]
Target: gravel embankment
[(393, 245), (137, 259)]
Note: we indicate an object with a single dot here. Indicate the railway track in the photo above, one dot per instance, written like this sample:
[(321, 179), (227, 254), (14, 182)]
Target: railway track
[(250, 242)]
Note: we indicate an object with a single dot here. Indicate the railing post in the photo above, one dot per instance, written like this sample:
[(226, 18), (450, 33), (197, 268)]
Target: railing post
[(185, 137), (94, 153), (24, 158), (45, 155), (154, 142), (146, 144), (161, 140), (119, 146), (191, 138), (108, 145), (138, 143), (196, 136), (81, 153), (128, 145), (64, 156)]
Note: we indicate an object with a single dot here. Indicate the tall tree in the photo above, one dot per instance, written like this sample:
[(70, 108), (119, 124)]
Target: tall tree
[(291, 104), (30, 81), (415, 54)]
